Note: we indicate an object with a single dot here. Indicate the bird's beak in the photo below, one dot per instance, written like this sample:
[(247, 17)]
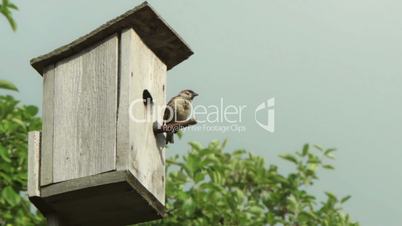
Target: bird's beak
[(195, 94)]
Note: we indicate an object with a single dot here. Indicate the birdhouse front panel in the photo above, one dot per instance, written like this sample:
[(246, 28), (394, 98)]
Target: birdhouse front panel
[(81, 116)]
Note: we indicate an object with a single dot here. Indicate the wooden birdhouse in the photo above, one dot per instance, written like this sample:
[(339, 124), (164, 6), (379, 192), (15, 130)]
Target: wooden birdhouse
[(96, 162)]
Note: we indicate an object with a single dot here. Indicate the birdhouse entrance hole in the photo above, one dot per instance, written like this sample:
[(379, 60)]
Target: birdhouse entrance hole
[(147, 98)]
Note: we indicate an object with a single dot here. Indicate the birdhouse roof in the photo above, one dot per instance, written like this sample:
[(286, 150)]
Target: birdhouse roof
[(153, 30)]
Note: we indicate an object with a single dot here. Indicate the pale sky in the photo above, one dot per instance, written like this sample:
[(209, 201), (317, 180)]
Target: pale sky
[(334, 68)]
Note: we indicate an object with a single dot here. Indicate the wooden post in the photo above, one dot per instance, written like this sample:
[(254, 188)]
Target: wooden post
[(53, 220)]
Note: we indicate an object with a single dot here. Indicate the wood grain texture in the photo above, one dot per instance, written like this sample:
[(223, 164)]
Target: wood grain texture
[(83, 183), (46, 175), (143, 70), (125, 85), (85, 112), (34, 141), (112, 198), (150, 26)]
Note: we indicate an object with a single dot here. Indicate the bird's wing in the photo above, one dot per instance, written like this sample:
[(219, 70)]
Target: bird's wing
[(183, 110), (171, 104)]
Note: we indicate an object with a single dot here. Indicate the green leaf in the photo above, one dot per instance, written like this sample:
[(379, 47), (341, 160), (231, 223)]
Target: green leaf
[(239, 194), (5, 9), (312, 166), (329, 153), (11, 196), (4, 154), (330, 167), (225, 142), (7, 85), (293, 203), (319, 147), (189, 206), (196, 146), (198, 177), (289, 157), (305, 149), (10, 20), (12, 6), (179, 134), (331, 196), (18, 122), (192, 164), (345, 199), (32, 110), (256, 210)]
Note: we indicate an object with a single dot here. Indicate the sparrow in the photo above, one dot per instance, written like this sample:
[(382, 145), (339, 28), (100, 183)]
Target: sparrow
[(178, 109)]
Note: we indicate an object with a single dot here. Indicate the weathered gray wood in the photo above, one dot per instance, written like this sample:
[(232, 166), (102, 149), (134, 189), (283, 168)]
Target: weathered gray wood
[(34, 141), (125, 85), (84, 182), (163, 41), (112, 198), (85, 112), (143, 70), (68, 76), (100, 167), (46, 175)]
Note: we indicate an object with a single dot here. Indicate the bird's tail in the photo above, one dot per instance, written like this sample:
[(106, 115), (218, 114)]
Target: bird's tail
[(169, 138)]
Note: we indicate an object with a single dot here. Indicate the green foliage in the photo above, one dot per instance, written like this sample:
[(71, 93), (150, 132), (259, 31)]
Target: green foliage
[(211, 187), (6, 8), (205, 187), (15, 122), (7, 85)]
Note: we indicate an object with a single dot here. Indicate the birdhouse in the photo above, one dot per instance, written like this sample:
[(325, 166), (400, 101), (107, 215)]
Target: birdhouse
[(97, 160)]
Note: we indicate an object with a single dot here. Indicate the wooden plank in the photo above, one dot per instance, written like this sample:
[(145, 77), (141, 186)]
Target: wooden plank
[(46, 175), (34, 163), (155, 32), (147, 156), (84, 183), (125, 85), (68, 76), (112, 198), (85, 112)]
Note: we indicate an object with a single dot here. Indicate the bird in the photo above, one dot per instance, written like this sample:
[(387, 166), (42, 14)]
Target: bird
[(178, 109)]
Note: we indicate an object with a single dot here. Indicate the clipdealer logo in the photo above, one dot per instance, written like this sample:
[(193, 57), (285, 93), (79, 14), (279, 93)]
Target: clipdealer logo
[(211, 118)]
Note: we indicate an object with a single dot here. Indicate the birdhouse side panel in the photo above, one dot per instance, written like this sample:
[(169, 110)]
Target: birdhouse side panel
[(46, 160), (33, 185), (85, 107), (125, 87), (147, 75)]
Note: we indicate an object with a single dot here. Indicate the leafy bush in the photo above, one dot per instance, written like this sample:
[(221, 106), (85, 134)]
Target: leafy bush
[(207, 186), (210, 187), (15, 122)]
